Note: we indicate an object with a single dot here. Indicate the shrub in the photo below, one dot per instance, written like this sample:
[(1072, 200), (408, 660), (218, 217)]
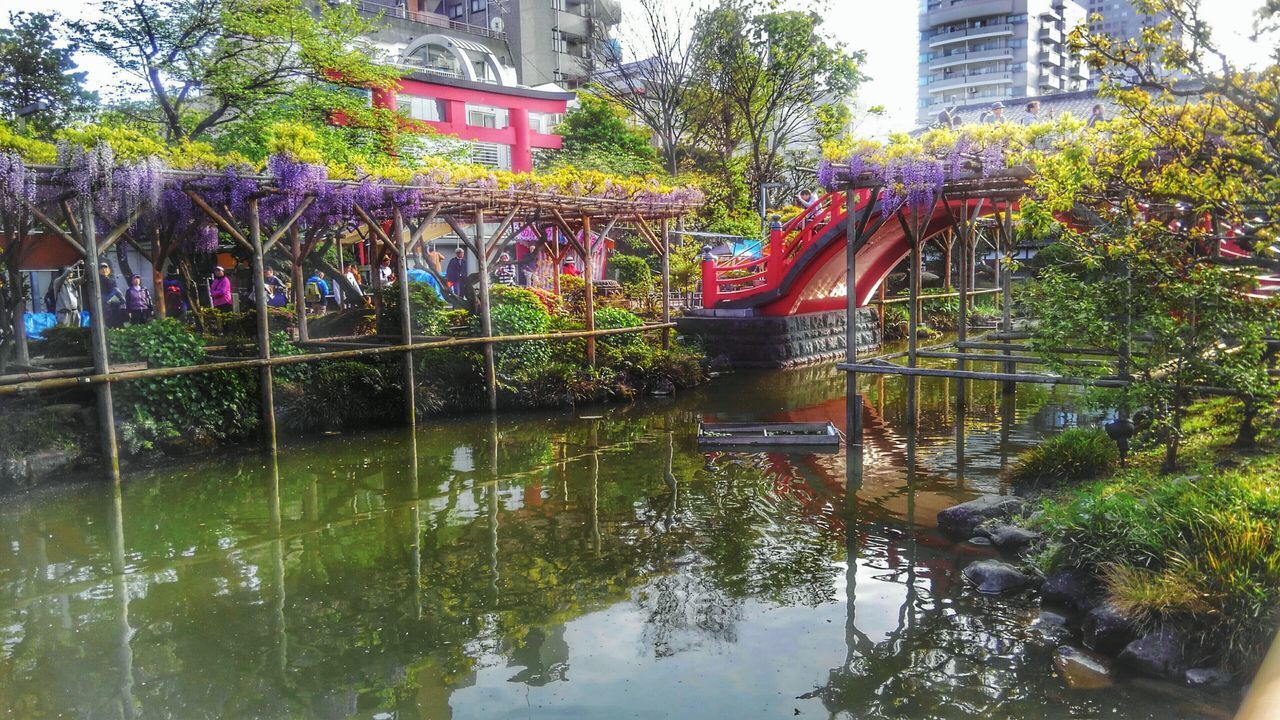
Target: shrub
[(517, 296), (553, 303), (611, 318), (519, 319), (634, 275), (426, 310), (218, 324), (457, 322), (60, 342), (223, 405), (1076, 454), (345, 394), (573, 291)]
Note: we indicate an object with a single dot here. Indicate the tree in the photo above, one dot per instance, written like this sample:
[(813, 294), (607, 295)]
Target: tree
[(36, 68), (596, 135), (763, 76), (656, 90), (207, 63)]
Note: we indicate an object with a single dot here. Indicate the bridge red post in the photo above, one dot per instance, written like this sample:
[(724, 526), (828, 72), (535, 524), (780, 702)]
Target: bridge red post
[(710, 289), (776, 249)]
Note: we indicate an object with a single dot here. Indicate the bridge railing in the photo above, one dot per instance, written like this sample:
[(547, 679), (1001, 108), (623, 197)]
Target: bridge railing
[(739, 280)]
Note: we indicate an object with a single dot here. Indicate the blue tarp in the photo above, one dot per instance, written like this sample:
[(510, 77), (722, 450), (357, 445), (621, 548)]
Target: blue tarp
[(422, 276), (37, 323)]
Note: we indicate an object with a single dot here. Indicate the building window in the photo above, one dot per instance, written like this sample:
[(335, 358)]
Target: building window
[(557, 5), (493, 155), (455, 11), (487, 117), (544, 123), (421, 108), (478, 5)]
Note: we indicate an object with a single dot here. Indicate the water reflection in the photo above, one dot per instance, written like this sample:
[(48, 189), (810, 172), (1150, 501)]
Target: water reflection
[(548, 566)]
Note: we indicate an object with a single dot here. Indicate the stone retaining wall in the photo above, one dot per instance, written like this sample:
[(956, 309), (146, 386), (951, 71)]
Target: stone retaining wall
[(749, 341)]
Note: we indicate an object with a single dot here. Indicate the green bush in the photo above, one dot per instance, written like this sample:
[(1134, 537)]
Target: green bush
[(426, 311), (61, 342), (516, 296), (519, 319), (610, 318), (1076, 454), (344, 394), (223, 405), (634, 275)]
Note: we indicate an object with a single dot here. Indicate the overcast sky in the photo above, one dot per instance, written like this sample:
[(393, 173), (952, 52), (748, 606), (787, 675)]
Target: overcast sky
[(884, 29)]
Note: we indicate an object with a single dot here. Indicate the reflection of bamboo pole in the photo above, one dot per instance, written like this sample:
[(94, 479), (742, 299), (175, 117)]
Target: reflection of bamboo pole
[(493, 541), (595, 485), (120, 588), (277, 565), (415, 522), (670, 480)]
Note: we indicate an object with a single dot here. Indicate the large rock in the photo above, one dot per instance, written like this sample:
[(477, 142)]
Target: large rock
[(1107, 630), (1159, 654), (993, 576), (1011, 538), (1073, 588), (961, 520), (1081, 669)]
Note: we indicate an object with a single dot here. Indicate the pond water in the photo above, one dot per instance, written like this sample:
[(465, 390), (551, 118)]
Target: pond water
[(591, 564)]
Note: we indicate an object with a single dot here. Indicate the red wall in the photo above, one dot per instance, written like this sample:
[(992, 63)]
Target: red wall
[(517, 134)]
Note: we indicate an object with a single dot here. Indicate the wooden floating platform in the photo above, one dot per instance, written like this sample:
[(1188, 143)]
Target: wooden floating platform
[(794, 437)]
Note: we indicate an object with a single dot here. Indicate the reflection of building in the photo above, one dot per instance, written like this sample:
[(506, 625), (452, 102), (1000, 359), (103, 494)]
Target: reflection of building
[(461, 80), (981, 51)]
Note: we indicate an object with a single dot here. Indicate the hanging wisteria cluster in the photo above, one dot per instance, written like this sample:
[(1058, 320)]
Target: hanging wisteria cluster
[(153, 199), (911, 172)]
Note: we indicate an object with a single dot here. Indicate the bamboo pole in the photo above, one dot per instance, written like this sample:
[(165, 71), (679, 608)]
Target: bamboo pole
[(962, 319), (1006, 285), (486, 310), (406, 317), (913, 321), (853, 400), (299, 292), (276, 361), (98, 344), (265, 381), (666, 281), (588, 287)]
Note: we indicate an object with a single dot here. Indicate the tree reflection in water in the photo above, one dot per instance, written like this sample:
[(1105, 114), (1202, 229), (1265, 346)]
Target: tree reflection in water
[(600, 567)]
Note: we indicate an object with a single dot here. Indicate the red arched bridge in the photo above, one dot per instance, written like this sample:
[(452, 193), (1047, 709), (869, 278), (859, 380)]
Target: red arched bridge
[(802, 268)]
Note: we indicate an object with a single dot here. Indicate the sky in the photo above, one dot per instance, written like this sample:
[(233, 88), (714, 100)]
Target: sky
[(884, 29)]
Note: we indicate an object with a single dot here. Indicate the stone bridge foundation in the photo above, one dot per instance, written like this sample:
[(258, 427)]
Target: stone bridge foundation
[(745, 340)]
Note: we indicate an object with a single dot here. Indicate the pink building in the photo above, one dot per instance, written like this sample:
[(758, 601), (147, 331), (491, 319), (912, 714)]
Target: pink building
[(505, 123)]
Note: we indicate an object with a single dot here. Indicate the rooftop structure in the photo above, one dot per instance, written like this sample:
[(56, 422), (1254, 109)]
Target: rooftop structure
[(981, 51)]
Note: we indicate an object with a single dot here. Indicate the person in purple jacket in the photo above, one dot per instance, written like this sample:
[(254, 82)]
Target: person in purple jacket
[(220, 290), (137, 301)]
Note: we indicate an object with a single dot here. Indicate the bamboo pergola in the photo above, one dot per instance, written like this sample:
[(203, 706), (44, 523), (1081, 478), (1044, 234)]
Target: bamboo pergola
[(485, 219)]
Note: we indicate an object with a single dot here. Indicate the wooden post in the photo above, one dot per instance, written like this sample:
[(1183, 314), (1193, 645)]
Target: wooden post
[(666, 283), (98, 345), (1006, 287), (962, 321), (588, 287), (853, 400), (265, 381), (486, 318), (18, 320), (947, 246), (406, 317), (913, 309), (299, 291)]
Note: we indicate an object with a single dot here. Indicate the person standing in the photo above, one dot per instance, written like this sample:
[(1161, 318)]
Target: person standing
[(276, 293), (996, 115), (175, 300), (113, 306), (1033, 113), (571, 268), (435, 259), (456, 274), (386, 273), (66, 300), (506, 272), (1096, 115), (138, 302), (316, 292), (353, 278), (220, 290)]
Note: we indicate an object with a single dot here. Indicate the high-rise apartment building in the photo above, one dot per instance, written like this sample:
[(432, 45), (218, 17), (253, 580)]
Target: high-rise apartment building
[(974, 51), (551, 40)]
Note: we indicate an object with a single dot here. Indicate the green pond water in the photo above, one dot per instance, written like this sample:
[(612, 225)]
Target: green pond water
[(590, 564)]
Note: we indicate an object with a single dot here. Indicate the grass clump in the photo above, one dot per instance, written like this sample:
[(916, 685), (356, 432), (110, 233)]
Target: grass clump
[(1199, 553), (1076, 454)]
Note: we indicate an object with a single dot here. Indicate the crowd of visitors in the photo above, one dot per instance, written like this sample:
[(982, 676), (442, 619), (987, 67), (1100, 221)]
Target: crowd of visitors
[(995, 114)]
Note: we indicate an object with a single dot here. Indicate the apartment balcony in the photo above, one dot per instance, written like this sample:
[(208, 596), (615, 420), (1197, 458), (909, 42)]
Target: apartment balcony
[(388, 9), (964, 12), (572, 24), (1053, 35), (969, 80), (990, 95), (965, 58), (1079, 71), (1049, 57), (973, 33)]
